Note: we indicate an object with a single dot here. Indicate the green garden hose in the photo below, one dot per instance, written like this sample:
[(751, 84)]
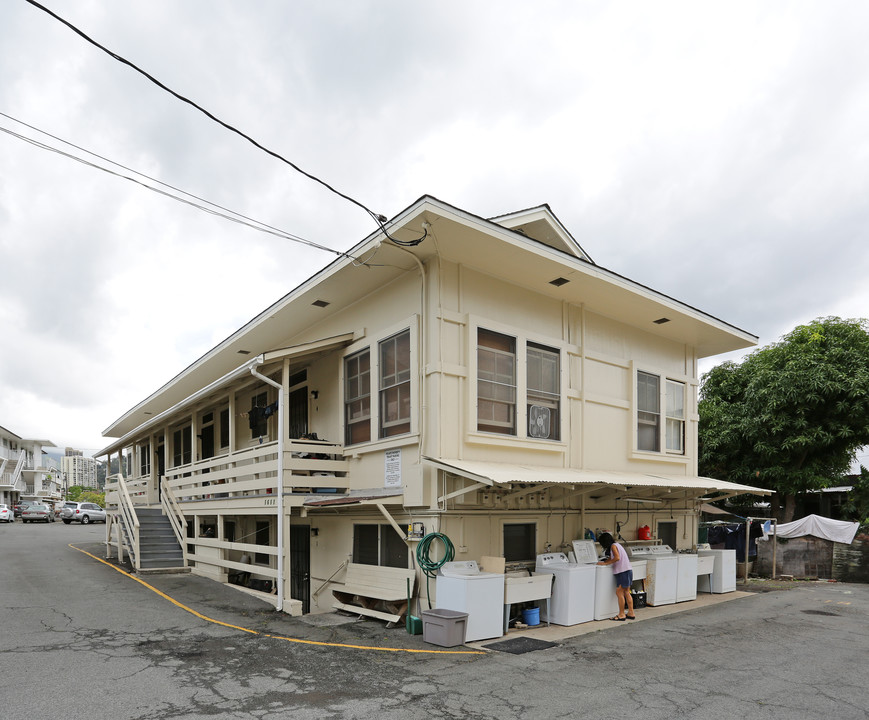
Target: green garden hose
[(426, 564)]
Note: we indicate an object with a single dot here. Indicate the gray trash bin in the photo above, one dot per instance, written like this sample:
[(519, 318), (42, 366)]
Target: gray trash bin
[(444, 627)]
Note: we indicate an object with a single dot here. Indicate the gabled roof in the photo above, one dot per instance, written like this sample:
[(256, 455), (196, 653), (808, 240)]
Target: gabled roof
[(540, 224), (529, 248)]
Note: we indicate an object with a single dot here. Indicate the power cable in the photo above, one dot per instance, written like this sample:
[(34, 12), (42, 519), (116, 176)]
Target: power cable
[(276, 231), (378, 218), (239, 217)]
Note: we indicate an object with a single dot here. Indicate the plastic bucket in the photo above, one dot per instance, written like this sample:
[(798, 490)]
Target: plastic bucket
[(531, 616)]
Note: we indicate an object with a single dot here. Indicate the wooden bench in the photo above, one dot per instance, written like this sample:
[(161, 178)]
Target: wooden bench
[(375, 591)]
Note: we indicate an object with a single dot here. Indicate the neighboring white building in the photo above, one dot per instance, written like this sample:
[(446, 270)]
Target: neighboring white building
[(25, 472), (484, 379), (79, 470)]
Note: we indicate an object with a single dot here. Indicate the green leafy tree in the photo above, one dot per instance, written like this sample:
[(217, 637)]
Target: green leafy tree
[(93, 496), (790, 416), (856, 507), (79, 493)]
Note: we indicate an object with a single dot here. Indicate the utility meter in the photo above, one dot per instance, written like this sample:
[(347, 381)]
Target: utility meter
[(415, 531)]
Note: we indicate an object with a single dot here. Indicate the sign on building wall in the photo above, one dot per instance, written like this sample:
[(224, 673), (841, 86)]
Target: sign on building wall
[(392, 468)]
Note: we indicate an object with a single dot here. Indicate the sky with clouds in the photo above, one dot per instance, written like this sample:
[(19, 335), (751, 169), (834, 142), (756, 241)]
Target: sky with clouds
[(717, 152)]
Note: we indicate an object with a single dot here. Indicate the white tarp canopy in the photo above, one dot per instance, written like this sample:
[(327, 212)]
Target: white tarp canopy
[(840, 531)]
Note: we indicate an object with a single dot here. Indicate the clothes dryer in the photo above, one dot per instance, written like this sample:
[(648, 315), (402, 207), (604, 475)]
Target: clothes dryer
[(606, 603), (463, 587), (572, 600)]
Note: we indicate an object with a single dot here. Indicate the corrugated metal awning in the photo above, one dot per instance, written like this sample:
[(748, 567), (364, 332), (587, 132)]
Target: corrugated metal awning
[(372, 496), (494, 473)]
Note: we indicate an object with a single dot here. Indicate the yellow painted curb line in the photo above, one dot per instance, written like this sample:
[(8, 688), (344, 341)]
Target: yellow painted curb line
[(275, 637)]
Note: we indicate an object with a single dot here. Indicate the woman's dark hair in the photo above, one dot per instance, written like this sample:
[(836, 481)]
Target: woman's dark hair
[(606, 541)]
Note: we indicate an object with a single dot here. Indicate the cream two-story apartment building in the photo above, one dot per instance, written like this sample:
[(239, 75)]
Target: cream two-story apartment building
[(26, 473), (480, 378)]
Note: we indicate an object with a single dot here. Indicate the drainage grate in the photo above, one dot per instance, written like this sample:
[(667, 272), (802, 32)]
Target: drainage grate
[(520, 645)]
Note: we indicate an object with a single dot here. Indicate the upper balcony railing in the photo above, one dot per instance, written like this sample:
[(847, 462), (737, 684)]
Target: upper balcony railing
[(308, 466)]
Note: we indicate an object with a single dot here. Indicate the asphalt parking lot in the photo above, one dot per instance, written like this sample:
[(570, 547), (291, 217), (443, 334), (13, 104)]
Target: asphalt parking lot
[(187, 647)]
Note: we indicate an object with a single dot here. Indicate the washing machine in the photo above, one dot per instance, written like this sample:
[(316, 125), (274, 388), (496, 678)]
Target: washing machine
[(572, 600), (463, 587), (722, 579), (662, 566), (606, 604)]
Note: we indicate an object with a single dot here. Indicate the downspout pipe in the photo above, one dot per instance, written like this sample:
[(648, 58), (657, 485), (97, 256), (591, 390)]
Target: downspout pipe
[(423, 408), (253, 371)]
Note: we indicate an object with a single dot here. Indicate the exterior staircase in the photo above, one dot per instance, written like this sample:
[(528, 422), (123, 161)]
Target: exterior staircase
[(158, 545)]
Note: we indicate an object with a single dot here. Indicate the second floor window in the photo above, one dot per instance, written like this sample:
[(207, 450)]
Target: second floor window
[(675, 417), (544, 392), (181, 446), (496, 382), (357, 398), (145, 459), (657, 429), (648, 412), (395, 385)]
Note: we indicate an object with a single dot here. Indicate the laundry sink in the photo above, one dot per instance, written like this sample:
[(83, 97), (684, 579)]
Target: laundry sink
[(525, 588)]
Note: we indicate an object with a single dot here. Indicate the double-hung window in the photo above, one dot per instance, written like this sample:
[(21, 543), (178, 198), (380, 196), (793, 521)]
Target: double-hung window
[(543, 380), (181, 446), (496, 382), (144, 459), (653, 394), (648, 412), (675, 427), (395, 385), (357, 398)]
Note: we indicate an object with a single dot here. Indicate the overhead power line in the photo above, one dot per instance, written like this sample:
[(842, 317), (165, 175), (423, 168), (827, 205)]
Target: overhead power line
[(215, 209), (378, 218)]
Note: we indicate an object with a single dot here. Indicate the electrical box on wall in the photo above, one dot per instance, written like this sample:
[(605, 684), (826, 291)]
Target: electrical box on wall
[(415, 531)]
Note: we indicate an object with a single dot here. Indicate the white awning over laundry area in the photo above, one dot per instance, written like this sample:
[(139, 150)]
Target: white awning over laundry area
[(636, 486)]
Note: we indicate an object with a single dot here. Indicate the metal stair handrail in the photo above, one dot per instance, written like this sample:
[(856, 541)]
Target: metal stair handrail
[(172, 510), (316, 593), (130, 521)]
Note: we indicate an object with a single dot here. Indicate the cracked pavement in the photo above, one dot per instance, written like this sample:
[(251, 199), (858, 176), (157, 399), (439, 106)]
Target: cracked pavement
[(80, 640)]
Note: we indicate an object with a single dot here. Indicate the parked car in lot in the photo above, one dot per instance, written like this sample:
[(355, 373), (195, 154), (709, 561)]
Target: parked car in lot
[(83, 512), (20, 505), (36, 512), (7, 514)]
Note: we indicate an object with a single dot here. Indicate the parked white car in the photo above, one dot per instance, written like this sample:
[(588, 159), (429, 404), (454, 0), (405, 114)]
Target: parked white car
[(7, 514)]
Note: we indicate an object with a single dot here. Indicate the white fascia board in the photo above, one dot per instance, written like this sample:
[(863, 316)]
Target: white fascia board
[(241, 371)]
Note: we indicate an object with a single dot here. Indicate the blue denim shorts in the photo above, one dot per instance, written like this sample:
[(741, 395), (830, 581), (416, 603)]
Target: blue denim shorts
[(624, 579)]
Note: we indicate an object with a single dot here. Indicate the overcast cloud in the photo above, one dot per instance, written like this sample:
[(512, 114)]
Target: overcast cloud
[(717, 152)]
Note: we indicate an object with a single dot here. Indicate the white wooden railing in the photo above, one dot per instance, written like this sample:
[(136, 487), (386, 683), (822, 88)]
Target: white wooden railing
[(130, 520), (172, 510)]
